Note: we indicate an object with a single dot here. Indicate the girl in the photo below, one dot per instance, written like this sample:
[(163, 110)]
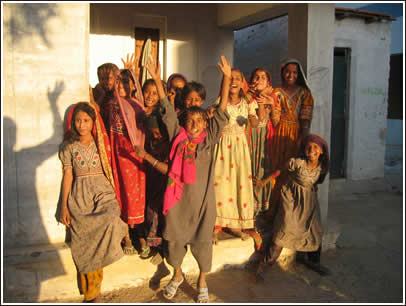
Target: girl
[(89, 204), (296, 104), (189, 202), (233, 176), (156, 155), (175, 83), (125, 113), (297, 223), (150, 94), (260, 82)]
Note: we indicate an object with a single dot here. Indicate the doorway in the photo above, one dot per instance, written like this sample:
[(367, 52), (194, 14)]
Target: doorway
[(339, 118), (141, 36)]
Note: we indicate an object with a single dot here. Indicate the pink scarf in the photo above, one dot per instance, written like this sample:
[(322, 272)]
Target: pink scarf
[(183, 168)]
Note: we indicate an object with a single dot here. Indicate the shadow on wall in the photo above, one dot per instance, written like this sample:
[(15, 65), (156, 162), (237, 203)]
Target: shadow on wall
[(24, 226), (28, 19)]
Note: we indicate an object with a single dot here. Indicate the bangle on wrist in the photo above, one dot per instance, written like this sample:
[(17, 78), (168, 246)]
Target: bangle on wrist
[(155, 163)]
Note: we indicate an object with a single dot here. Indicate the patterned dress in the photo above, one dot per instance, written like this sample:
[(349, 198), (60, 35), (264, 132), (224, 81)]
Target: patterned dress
[(128, 169), (233, 176), (96, 227), (260, 164), (297, 224), (286, 142)]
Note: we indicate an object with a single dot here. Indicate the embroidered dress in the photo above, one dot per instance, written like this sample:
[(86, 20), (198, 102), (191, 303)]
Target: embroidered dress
[(295, 107), (297, 224), (96, 227), (233, 176), (128, 169)]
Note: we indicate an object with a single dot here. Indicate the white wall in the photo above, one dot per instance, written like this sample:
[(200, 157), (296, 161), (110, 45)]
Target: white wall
[(188, 32), (369, 75), (45, 70)]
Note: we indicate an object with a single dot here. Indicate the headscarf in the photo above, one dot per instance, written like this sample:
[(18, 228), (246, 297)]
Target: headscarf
[(133, 110), (301, 77), (183, 167), (101, 138), (324, 158)]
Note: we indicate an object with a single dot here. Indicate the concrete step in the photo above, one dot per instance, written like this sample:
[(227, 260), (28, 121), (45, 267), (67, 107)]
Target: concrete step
[(47, 273), (44, 273)]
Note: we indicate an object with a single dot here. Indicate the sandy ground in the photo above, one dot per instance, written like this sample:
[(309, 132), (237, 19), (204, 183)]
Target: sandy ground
[(367, 265)]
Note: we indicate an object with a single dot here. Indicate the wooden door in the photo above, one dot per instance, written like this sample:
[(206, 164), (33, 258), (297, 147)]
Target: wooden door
[(141, 36)]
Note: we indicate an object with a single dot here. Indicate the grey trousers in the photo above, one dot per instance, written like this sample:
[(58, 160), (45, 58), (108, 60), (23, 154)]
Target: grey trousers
[(202, 252)]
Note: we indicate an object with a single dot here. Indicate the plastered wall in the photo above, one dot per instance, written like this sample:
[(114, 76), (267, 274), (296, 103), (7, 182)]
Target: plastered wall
[(45, 71), (368, 94), (193, 41)]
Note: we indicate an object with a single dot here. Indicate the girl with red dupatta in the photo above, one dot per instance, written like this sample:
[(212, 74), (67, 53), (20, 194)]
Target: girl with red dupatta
[(89, 205), (125, 113)]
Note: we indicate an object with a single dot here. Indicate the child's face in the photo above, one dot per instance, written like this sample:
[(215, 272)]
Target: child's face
[(83, 123), (193, 99), (195, 124), (176, 83), (126, 86), (107, 79), (150, 95), (155, 133), (236, 82), (260, 80), (290, 74), (313, 151)]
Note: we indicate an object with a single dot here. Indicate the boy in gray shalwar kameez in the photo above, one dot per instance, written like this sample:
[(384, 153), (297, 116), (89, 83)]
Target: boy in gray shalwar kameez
[(189, 204)]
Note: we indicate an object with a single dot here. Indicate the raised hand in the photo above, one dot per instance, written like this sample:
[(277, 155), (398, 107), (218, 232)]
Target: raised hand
[(130, 62), (210, 112), (154, 70), (225, 66), (265, 99)]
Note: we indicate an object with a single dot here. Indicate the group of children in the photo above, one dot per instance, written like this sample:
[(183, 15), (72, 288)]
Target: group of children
[(150, 161)]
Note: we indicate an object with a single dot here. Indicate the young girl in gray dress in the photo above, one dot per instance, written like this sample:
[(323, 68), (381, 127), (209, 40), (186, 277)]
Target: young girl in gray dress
[(189, 200), (297, 223), (89, 205)]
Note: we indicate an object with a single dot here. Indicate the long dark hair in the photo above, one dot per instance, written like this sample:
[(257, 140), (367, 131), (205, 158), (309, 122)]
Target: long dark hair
[(324, 158), (72, 134), (268, 75)]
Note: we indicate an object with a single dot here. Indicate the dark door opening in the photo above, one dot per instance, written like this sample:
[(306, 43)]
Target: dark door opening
[(141, 36), (339, 121)]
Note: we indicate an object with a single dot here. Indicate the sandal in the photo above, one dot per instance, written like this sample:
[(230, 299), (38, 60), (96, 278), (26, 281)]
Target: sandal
[(172, 288), (129, 250), (145, 252), (203, 296)]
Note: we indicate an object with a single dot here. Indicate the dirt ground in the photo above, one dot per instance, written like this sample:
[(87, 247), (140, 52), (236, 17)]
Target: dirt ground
[(367, 265)]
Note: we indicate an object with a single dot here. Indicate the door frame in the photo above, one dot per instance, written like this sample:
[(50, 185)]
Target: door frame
[(347, 55)]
